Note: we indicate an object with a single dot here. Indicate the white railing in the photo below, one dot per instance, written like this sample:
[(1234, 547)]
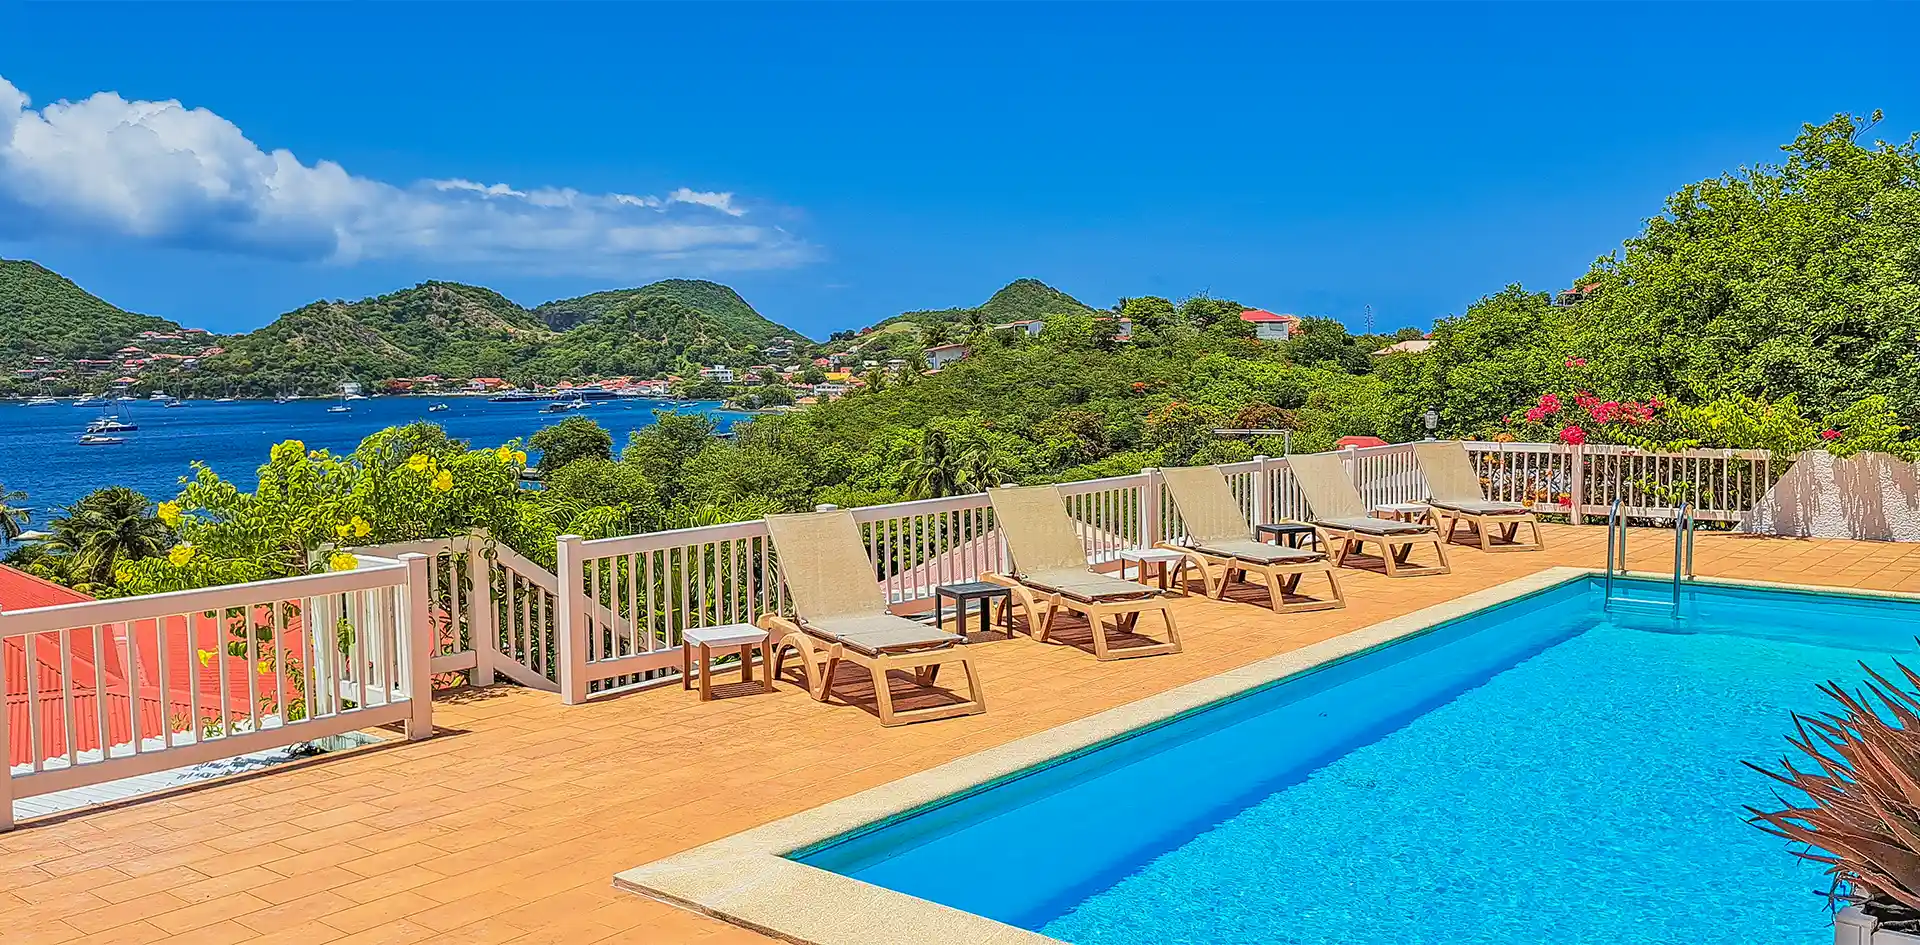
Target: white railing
[(1723, 485), (120, 688)]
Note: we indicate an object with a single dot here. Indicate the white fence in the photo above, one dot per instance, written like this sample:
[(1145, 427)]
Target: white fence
[(119, 688), (636, 595)]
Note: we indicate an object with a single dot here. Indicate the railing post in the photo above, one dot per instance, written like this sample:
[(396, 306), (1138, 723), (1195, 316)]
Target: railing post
[(1576, 482), (1350, 455), (1149, 507), (482, 612), (570, 641), (1262, 496), (6, 745), (416, 634)]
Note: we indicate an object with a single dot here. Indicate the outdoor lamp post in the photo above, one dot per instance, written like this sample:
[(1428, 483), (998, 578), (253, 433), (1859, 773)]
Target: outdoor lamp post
[(1432, 419)]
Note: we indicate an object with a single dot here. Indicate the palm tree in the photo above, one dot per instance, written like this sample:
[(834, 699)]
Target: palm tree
[(938, 469), (12, 515), (985, 465), (109, 527)]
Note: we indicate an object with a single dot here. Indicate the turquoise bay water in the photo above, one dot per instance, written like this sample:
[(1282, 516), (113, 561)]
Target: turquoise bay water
[(1538, 767), (38, 452)]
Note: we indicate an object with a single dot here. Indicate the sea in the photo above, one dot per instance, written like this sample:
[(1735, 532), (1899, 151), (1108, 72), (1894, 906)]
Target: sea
[(40, 451)]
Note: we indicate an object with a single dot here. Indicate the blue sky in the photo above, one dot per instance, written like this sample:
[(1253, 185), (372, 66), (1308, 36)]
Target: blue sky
[(839, 164)]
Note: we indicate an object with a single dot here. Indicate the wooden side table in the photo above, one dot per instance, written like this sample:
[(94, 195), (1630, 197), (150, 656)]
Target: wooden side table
[(1290, 534), (1416, 512), (1169, 566), (743, 636), (990, 596)]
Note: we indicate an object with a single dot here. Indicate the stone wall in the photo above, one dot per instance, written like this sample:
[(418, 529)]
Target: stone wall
[(1872, 496)]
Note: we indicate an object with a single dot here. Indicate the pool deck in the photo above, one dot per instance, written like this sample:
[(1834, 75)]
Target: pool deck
[(510, 824)]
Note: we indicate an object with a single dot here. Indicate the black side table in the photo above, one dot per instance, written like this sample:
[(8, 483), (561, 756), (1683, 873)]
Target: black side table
[(1291, 534), (981, 591)]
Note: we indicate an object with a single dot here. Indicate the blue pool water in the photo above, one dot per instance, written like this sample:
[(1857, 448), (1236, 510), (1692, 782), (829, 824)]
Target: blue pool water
[(1540, 765)]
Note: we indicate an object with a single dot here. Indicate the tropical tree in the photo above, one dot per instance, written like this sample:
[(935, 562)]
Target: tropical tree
[(574, 438), (13, 516), (939, 469), (106, 531)]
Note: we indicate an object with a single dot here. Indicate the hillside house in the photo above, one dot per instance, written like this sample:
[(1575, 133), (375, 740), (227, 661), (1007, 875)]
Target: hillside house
[(718, 372), (1032, 326), (1271, 326), (940, 356)]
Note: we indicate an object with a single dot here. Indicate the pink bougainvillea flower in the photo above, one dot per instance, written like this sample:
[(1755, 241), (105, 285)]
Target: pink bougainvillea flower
[(1576, 362), (1548, 404), (1573, 435), (1829, 434), (1653, 402)]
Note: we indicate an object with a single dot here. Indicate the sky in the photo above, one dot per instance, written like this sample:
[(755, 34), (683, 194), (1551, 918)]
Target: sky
[(222, 164)]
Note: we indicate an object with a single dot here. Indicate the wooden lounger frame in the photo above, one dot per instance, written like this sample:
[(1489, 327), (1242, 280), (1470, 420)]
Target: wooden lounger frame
[(1480, 522), (1280, 577), (821, 658), (1395, 549), (1042, 603)]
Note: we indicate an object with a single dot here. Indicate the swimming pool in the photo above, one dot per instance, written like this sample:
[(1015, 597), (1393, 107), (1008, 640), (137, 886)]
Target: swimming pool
[(1537, 765)]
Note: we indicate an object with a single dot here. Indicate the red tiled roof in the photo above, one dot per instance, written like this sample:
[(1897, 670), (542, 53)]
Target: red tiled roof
[(20, 590), (1347, 441), (1262, 315)]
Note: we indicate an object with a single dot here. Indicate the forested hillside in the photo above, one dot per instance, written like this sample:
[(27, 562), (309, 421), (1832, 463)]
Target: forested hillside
[(43, 314)]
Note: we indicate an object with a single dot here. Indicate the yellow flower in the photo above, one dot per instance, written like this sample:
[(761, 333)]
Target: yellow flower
[(520, 456), (444, 481), (341, 561), (505, 454), (169, 513), (360, 527), (419, 462), (340, 531), (206, 657), (181, 553), (266, 667)]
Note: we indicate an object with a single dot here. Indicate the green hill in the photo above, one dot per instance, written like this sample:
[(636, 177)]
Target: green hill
[(42, 313), (654, 329), (910, 332), (433, 328)]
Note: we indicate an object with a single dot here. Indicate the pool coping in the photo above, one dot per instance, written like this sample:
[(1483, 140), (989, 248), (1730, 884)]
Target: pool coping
[(747, 880)]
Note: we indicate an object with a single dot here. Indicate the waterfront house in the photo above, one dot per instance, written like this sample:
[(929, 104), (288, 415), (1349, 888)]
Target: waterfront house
[(718, 372)]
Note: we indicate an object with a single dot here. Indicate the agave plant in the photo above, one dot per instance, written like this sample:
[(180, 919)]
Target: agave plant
[(1860, 778)]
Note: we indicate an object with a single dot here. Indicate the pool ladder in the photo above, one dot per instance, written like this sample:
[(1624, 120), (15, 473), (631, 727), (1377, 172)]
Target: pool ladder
[(1684, 526)]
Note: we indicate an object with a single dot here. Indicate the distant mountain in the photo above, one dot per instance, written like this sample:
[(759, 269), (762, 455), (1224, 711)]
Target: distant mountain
[(909, 332), (1030, 298), (42, 313), (441, 328)]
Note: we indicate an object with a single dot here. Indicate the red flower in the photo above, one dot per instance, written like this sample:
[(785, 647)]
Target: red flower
[(1548, 404), (1573, 435), (1829, 434), (1576, 362)]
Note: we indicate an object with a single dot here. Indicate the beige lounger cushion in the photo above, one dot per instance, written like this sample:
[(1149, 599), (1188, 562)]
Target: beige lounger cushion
[(1209, 511), (1374, 526), (1323, 480), (1086, 585), (1247, 549), (1482, 508), (1038, 530), (878, 633)]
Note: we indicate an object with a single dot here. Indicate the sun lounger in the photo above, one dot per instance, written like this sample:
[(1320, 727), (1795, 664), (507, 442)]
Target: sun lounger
[(1051, 574), (1458, 497), (1221, 543), (840, 614), (1341, 513)]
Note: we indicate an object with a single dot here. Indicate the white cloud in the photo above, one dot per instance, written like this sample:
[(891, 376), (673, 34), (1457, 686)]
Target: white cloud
[(163, 173)]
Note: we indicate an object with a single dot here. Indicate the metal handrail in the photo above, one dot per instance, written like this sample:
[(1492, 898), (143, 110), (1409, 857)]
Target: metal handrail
[(1616, 526), (1682, 549)]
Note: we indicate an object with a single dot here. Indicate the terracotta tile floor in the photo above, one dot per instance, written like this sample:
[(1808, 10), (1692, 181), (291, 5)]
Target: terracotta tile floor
[(509, 826)]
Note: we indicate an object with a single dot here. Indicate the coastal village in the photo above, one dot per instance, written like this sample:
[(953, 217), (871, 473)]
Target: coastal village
[(154, 360)]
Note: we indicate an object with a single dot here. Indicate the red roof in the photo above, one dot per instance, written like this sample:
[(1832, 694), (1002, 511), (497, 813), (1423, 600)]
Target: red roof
[(1347, 441), (20, 590), (104, 670), (1262, 315)]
